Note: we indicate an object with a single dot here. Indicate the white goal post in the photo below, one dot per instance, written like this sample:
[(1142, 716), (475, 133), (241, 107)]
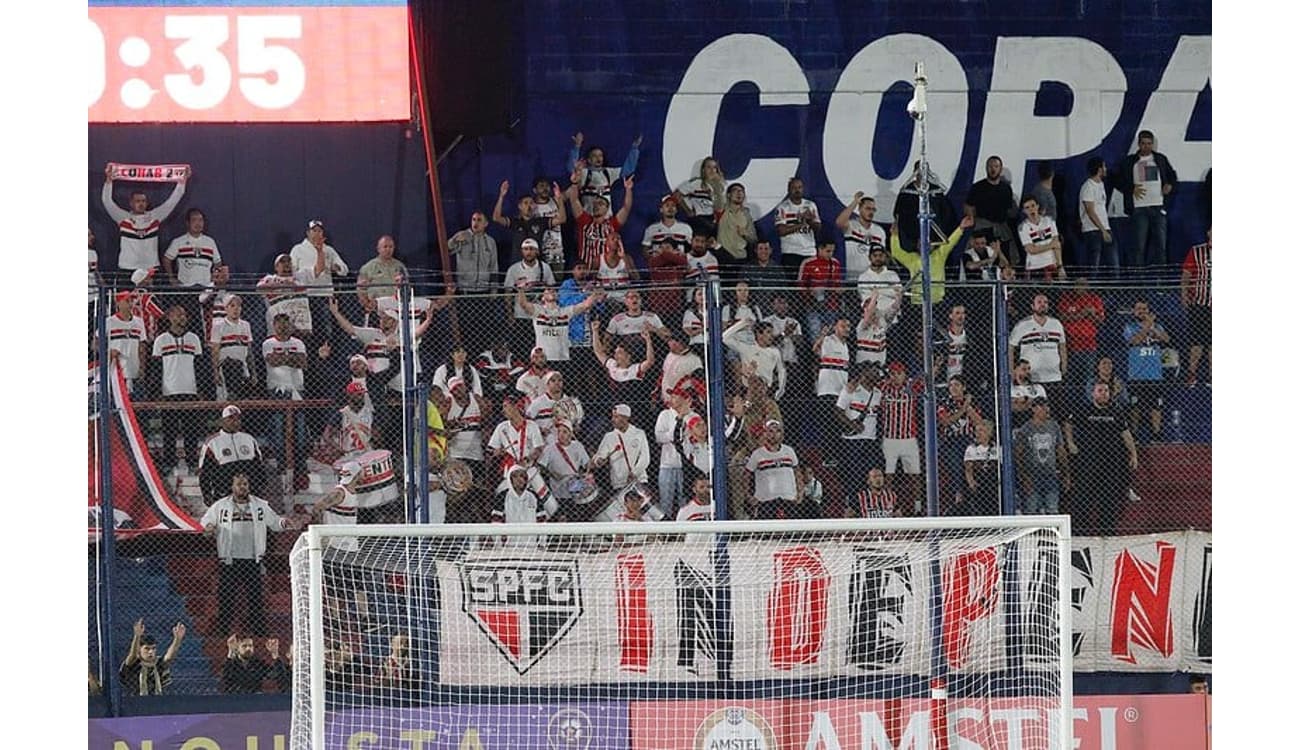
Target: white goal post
[(858, 633)]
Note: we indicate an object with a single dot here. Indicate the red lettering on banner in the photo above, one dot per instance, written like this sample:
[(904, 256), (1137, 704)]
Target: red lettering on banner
[(1139, 610), (636, 632), (796, 607), (970, 593)]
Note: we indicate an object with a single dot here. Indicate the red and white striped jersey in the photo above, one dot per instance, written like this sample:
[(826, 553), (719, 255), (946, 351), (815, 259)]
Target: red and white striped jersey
[(357, 429), (832, 366), (215, 301), (124, 337), (693, 325), (195, 257), (773, 473), (700, 266), (877, 503), (178, 354), (532, 384), (1197, 263), (591, 237), (802, 243), (375, 347), (898, 405)]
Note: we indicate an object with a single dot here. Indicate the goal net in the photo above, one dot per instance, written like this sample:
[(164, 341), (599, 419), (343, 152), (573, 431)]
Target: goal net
[(870, 634)]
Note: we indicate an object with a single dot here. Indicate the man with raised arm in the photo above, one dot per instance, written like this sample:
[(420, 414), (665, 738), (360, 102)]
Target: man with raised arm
[(138, 228), (591, 177)]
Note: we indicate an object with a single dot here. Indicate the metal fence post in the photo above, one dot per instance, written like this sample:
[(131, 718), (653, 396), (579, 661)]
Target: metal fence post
[(108, 549)]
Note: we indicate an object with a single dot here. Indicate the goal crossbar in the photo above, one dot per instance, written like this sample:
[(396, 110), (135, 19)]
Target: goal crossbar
[(316, 533)]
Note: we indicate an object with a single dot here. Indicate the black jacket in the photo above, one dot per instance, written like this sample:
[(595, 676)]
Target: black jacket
[(1123, 178)]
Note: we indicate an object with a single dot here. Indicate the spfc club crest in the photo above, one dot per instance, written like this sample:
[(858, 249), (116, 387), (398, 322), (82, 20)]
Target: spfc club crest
[(524, 606)]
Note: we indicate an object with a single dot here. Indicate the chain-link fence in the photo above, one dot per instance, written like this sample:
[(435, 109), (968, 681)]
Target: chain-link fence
[(240, 411)]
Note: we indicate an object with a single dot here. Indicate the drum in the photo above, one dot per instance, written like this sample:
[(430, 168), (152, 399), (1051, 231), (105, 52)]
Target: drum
[(378, 485), (457, 477)]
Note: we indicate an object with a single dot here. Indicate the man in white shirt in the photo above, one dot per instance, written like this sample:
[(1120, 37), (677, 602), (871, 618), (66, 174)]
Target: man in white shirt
[(286, 358), (797, 224), (1042, 242), (859, 444), (884, 281), (777, 486), (667, 229), (304, 256), (862, 235), (177, 349), (126, 339), (528, 275), (551, 322), (286, 292), (700, 505), (762, 355), (239, 521), (229, 342), (624, 449), (190, 258), (1040, 338), (138, 228), (679, 362), (1095, 223), (670, 429)]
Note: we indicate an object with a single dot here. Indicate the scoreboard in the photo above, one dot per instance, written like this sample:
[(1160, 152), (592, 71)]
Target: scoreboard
[(248, 61)]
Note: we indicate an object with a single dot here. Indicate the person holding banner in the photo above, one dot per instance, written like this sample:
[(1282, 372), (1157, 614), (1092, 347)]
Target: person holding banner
[(138, 227)]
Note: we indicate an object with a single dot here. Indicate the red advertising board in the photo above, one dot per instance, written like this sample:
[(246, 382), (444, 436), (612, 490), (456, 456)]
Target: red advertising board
[(1140, 722), (293, 63)]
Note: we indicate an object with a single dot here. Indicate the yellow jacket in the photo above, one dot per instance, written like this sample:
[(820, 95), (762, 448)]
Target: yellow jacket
[(912, 262)]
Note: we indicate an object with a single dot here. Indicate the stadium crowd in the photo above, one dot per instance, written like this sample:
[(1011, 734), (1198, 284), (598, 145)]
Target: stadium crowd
[(571, 385)]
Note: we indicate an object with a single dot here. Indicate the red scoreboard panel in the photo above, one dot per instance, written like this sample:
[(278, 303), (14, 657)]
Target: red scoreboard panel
[(262, 61)]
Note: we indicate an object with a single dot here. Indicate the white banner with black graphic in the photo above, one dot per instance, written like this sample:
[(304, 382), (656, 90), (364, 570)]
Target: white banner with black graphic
[(1142, 603), (829, 609), (532, 618)]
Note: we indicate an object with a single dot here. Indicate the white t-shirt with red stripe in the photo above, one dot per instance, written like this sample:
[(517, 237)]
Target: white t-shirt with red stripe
[(284, 377), (859, 241), (517, 443), (551, 331), (195, 257), (1039, 234), (857, 403), (139, 232), (872, 341), (773, 473), (680, 234), (467, 443), (1040, 343), (288, 295), (124, 337), (234, 338), (693, 511), (178, 354), (832, 366)]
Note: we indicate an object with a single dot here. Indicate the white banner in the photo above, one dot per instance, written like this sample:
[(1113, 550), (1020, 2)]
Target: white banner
[(1142, 603), (525, 617), (853, 607)]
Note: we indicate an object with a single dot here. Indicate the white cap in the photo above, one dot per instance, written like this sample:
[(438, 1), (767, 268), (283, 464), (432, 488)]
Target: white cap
[(623, 410), (230, 411), (512, 468), (530, 242), (455, 381), (140, 274)]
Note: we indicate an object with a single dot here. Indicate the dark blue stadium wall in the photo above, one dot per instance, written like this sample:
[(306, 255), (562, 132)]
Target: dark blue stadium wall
[(1028, 81)]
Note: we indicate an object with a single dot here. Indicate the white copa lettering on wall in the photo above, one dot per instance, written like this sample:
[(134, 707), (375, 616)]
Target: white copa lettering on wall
[(1021, 65)]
